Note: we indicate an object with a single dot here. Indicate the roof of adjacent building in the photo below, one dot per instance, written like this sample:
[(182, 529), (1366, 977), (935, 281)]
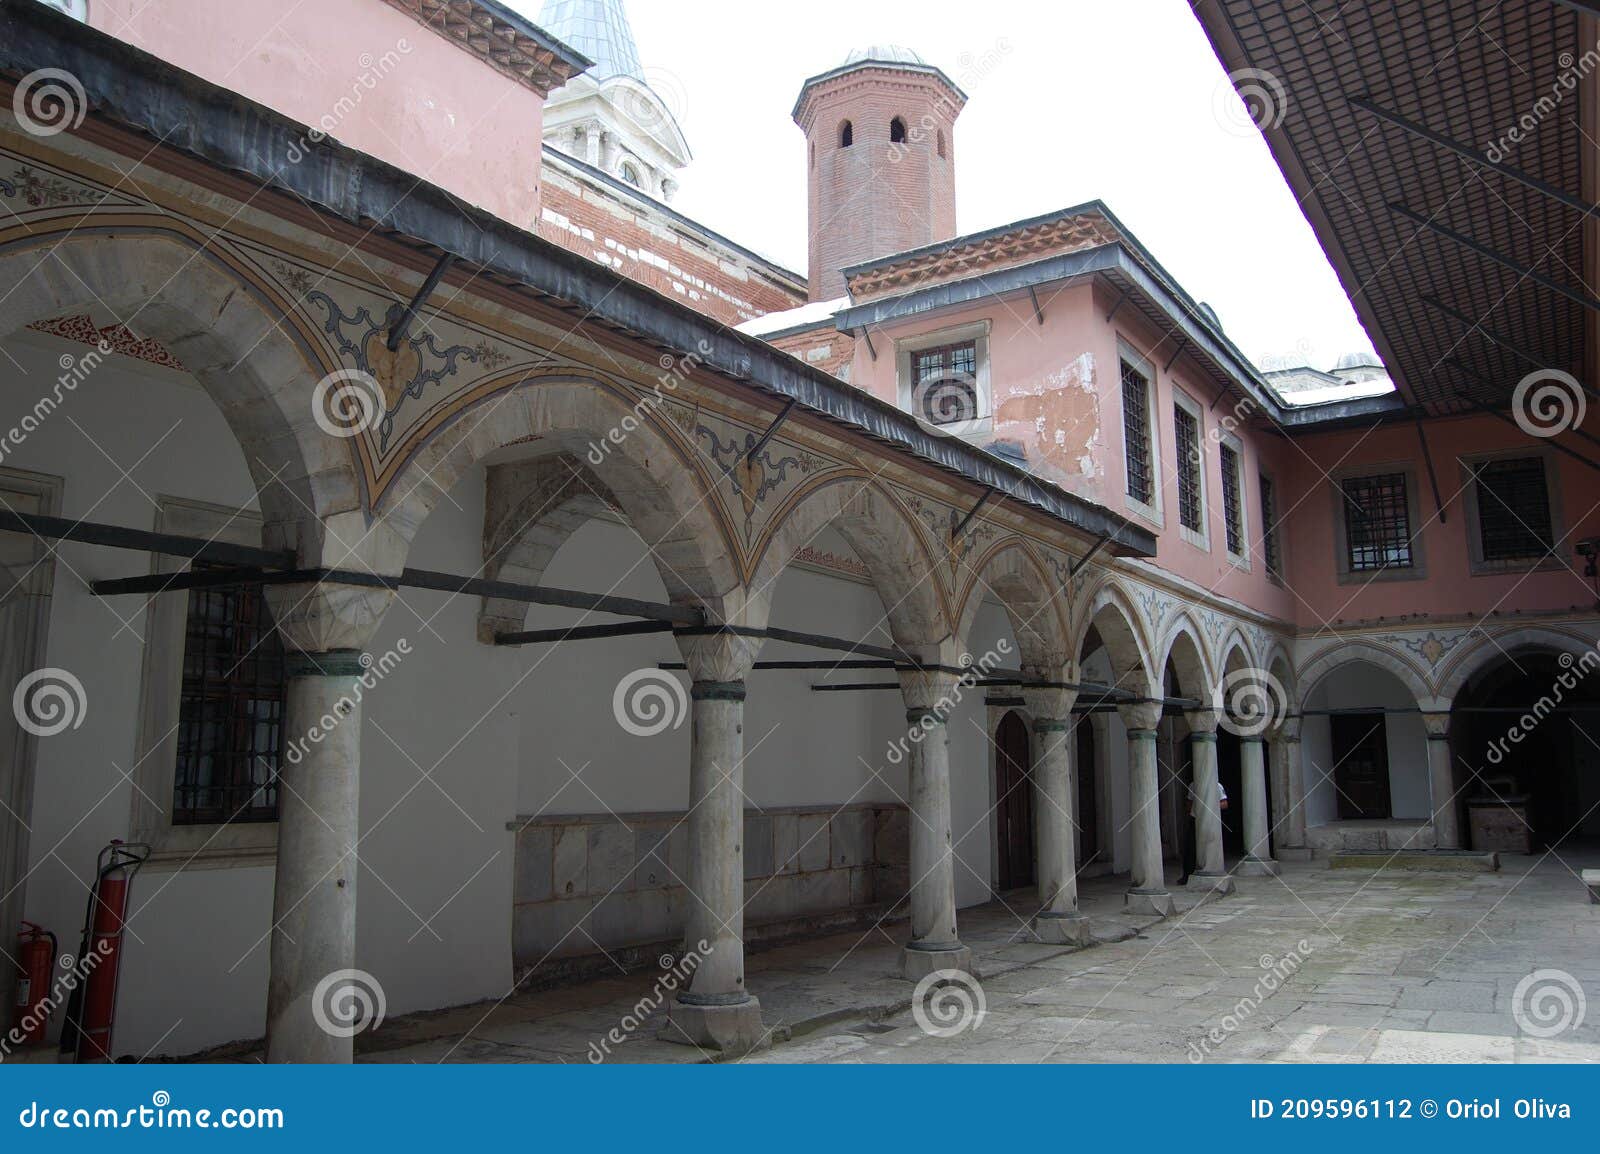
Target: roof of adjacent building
[(600, 30)]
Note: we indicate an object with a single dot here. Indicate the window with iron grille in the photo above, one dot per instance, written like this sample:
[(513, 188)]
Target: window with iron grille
[(1513, 509), (1232, 501), (1377, 523), (1136, 433), (1269, 527), (944, 383), (1190, 514), (230, 720)]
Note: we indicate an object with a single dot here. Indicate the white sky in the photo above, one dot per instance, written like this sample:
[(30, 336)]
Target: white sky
[(1120, 100)]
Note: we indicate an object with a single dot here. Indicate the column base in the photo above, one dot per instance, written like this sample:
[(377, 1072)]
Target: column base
[(917, 963), (1218, 884), (1068, 929), (1157, 902), (1256, 867), (734, 1029)]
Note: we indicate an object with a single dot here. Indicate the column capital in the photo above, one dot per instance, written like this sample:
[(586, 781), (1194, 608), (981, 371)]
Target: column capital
[(1048, 703), (1140, 715), (324, 617), (1202, 722), (719, 654), (1437, 725), (930, 690)]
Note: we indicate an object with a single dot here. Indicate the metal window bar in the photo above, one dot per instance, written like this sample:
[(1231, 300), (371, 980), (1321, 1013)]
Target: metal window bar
[(1232, 508), (1188, 440), (1136, 433), (1377, 523), (1269, 527), (1513, 509), (945, 382), (230, 718)]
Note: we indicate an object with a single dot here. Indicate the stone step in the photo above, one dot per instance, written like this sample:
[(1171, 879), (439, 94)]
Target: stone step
[(1437, 860)]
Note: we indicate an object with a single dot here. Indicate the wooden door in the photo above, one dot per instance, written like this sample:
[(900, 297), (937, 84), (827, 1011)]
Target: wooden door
[(1361, 765), (1013, 803)]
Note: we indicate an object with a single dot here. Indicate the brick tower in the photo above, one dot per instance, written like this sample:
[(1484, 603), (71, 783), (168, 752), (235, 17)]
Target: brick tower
[(880, 157)]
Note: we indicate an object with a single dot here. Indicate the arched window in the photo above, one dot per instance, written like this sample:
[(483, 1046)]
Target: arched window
[(847, 135), (631, 175), (897, 131)]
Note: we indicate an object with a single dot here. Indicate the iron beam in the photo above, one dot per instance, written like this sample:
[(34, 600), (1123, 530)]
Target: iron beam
[(582, 632), (117, 537), (402, 324)]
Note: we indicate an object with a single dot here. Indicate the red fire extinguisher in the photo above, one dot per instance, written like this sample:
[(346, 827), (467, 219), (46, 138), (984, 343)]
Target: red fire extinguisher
[(36, 963), (86, 1036)]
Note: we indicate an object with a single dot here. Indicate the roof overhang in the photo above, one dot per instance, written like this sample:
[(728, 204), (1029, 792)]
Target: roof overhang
[(501, 38), (137, 91)]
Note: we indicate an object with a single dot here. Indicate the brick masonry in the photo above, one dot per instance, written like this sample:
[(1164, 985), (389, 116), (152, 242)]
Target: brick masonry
[(600, 881)]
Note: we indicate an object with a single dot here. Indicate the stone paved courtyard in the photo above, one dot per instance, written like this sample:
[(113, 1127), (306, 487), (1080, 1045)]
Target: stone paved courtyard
[(1398, 966)]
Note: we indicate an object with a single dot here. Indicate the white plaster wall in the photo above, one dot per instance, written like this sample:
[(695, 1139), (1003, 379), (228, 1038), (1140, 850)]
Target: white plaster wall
[(1361, 685), (1097, 669)]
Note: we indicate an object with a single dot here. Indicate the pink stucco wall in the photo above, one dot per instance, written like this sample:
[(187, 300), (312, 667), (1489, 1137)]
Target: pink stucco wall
[(367, 74), (1450, 587), (1056, 390)]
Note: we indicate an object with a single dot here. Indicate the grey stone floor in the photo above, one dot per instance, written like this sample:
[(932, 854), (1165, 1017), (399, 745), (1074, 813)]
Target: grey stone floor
[(1317, 965)]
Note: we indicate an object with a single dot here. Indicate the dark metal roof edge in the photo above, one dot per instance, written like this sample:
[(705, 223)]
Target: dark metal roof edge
[(522, 26), (623, 186), (1316, 418), (230, 132), (896, 65)]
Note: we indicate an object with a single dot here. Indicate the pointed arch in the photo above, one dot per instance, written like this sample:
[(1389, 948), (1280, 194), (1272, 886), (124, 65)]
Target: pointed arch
[(1492, 649), (1184, 647), (656, 479), (1343, 653), (883, 536), (1113, 616), (1017, 577), (233, 334)]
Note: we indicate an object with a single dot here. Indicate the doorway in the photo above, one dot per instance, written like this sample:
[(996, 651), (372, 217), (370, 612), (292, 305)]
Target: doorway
[(1360, 749), (1013, 761)]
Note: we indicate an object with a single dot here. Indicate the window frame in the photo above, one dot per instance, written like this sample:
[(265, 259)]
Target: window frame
[(1477, 565), (1241, 559), (1200, 538), (195, 846), (1418, 570), (1153, 510), (977, 334), (1277, 543)]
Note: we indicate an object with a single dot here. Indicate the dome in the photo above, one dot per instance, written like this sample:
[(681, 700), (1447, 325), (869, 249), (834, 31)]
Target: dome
[(1357, 361), (884, 54)]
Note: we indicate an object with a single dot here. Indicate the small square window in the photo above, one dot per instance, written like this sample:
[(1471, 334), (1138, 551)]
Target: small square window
[(1377, 523), (944, 383), (1513, 509)]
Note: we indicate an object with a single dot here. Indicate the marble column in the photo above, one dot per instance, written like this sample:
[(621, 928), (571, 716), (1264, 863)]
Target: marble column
[(324, 627), (716, 1012), (1211, 871), (1292, 773), (1148, 893), (1442, 782), (1257, 859), (934, 944), (1059, 920)]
